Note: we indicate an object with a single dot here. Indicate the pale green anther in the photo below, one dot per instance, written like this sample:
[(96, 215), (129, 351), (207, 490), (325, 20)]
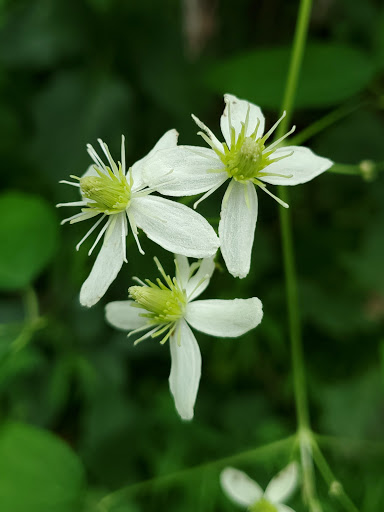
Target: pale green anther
[(165, 305), (248, 157), (262, 506), (108, 193)]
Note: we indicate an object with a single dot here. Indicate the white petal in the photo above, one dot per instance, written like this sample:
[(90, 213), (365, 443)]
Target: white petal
[(302, 166), (283, 484), (235, 114), (239, 487), (185, 369), (225, 318), (106, 267), (283, 508), (122, 315), (168, 140), (182, 171), (199, 282), (174, 226), (183, 270), (237, 227)]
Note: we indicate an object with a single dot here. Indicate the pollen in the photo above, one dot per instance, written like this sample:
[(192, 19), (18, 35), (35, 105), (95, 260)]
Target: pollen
[(109, 192)]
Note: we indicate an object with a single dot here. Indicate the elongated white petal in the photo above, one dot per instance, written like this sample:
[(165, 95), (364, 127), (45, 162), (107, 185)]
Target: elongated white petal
[(235, 114), (283, 484), (168, 140), (237, 227), (198, 283), (239, 487), (174, 226), (225, 318), (283, 508), (185, 369), (302, 166), (183, 171), (106, 267), (183, 269), (122, 315)]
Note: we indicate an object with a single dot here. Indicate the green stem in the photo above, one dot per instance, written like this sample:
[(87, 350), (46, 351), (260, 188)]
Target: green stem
[(335, 488), (32, 322), (300, 388), (120, 496)]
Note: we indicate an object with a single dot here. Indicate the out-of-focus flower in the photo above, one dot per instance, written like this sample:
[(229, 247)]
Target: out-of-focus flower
[(244, 491)]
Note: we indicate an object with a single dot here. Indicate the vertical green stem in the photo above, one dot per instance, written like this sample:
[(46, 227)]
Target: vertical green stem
[(300, 389)]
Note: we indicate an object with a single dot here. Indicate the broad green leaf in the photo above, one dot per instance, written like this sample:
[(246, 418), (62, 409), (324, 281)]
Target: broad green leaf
[(28, 238), (331, 73), (39, 473)]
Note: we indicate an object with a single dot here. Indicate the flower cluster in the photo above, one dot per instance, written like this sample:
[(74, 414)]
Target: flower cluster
[(123, 199)]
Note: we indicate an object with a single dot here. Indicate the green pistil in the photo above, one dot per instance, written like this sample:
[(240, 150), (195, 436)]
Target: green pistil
[(262, 506), (165, 303), (108, 193)]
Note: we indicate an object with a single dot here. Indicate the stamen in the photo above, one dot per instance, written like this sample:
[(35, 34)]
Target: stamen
[(101, 233), (68, 219), (254, 133), (207, 131), (274, 144), (74, 203), (264, 187), (228, 192), (95, 157), (123, 153), (210, 143), (134, 278), (147, 335), (269, 132), (210, 191), (70, 183), (87, 213), (105, 149), (89, 232), (273, 160), (132, 223)]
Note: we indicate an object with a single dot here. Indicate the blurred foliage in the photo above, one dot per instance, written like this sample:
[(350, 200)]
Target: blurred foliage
[(75, 70)]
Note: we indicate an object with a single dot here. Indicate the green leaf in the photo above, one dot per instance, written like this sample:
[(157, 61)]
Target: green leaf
[(39, 473), (331, 73), (28, 238)]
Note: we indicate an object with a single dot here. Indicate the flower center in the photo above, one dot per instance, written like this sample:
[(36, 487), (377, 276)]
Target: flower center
[(247, 157), (262, 506), (165, 303), (108, 193)]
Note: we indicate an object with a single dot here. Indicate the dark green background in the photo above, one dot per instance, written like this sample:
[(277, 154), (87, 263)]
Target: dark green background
[(75, 70)]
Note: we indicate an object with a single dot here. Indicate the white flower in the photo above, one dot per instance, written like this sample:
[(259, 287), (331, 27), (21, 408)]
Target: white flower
[(244, 160), (246, 492), (121, 199), (166, 308)]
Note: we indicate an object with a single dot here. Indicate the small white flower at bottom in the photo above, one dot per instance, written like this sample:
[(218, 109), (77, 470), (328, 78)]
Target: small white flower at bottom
[(168, 308), (244, 491)]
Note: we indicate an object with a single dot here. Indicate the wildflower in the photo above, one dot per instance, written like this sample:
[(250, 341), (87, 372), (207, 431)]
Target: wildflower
[(244, 491), (121, 199), (167, 308), (245, 160)]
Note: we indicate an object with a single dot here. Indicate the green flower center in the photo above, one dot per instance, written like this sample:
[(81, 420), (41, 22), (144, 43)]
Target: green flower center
[(165, 303), (108, 193), (262, 506), (248, 157)]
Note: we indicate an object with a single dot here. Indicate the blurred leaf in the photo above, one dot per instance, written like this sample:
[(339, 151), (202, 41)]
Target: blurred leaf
[(331, 73), (76, 108), (38, 34), (39, 472), (28, 238)]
